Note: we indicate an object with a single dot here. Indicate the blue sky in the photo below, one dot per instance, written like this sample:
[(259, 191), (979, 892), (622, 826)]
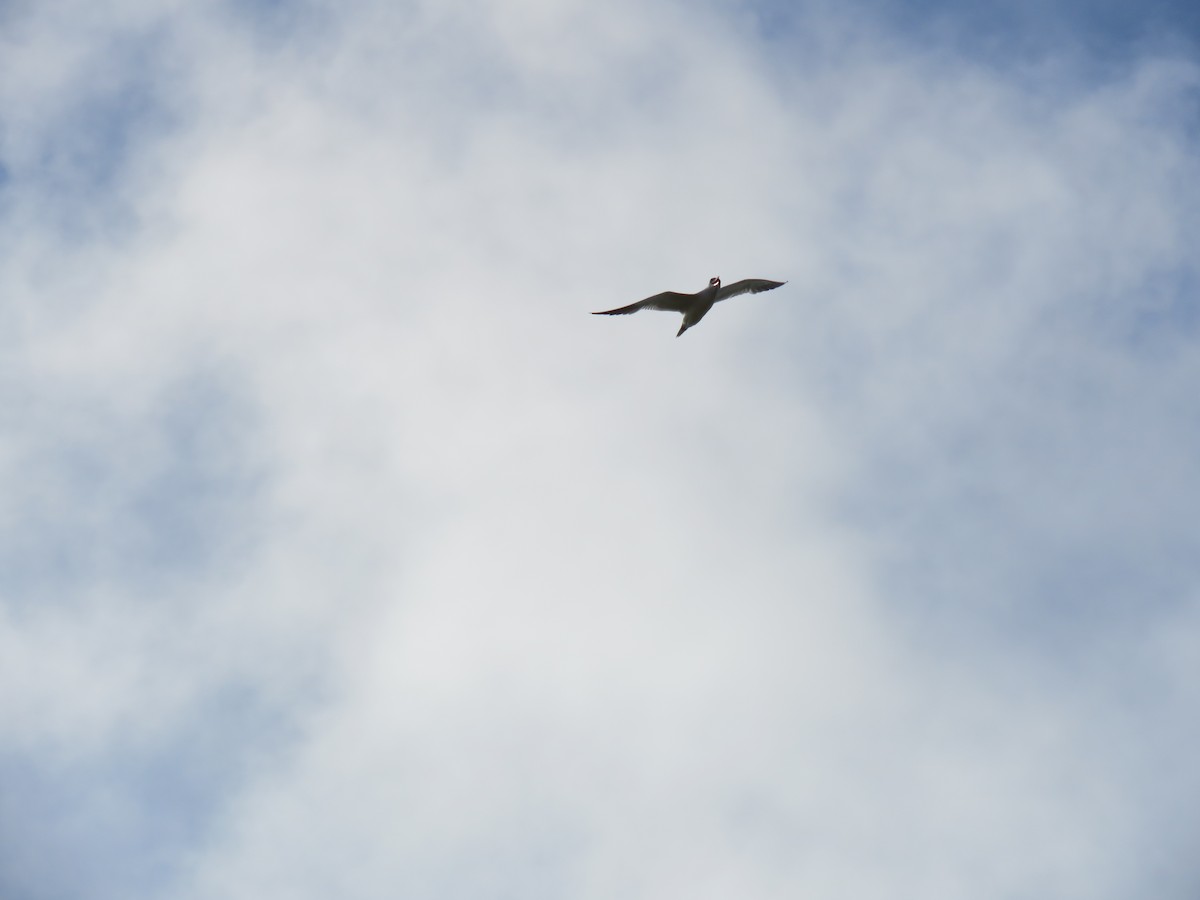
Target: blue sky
[(343, 554)]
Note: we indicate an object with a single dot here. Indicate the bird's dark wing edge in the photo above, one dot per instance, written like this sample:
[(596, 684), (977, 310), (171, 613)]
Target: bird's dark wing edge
[(671, 301), (748, 286)]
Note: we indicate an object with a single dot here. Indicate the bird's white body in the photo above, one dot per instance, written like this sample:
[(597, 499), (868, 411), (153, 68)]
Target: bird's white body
[(702, 302)]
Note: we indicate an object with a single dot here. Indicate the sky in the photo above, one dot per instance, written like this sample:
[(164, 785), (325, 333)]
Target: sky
[(343, 554)]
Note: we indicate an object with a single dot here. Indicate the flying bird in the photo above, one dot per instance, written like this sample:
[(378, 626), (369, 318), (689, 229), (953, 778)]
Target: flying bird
[(695, 306)]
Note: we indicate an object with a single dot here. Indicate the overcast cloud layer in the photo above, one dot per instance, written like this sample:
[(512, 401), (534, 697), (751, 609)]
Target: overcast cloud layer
[(342, 554)]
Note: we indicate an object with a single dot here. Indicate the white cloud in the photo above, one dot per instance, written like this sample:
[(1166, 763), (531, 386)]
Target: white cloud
[(881, 584)]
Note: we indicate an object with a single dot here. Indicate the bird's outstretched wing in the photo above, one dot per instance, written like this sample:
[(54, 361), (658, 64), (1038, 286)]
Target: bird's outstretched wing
[(672, 301), (747, 286)]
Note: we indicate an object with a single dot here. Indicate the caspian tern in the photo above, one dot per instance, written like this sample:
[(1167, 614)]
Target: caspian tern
[(695, 306)]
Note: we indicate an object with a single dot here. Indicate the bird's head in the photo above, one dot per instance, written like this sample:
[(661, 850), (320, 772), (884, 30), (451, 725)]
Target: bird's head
[(715, 281)]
